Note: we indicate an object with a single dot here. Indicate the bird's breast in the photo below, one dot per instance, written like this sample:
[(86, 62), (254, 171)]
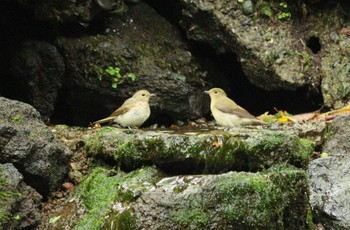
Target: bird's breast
[(135, 116)]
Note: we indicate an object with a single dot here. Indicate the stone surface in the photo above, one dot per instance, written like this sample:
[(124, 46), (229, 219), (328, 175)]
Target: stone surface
[(156, 54), (330, 178), (26, 142), (36, 70), (199, 151), (274, 199), (277, 51), (271, 200), (65, 11), (20, 204)]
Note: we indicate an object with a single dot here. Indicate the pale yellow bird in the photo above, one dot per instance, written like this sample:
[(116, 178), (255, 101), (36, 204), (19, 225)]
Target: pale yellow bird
[(227, 113), (133, 112)]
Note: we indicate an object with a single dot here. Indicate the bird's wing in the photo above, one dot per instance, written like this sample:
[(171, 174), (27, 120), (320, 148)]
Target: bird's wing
[(124, 108), (236, 110)]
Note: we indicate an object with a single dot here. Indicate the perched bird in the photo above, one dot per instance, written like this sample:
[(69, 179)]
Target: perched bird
[(134, 111), (227, 113)]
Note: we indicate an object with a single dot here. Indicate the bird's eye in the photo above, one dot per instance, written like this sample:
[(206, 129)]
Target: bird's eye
[(216, 92), (143, 95)]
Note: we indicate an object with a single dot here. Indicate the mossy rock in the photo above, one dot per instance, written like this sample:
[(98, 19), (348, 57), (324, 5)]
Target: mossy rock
[(275, 199), (101, 196), (272, 199), (215, 151)]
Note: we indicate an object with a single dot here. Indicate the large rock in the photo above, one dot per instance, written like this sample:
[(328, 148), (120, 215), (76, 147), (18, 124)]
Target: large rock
[(66, 11), (279, 46), (19, 203), (27, 143), (274, 199), (36, 71), (330, 178), (270, 200), (141, 43)]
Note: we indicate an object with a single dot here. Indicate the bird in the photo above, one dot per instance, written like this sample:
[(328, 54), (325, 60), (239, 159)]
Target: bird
[(227, 113), (133, 112)]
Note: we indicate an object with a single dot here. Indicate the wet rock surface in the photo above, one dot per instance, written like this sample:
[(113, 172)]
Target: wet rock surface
[(27, 143), (330, 180)]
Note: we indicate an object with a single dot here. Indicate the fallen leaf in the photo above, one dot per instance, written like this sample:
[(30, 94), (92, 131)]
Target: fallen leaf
[(345, 31), (69, 186), (304, 116), (216, 144)]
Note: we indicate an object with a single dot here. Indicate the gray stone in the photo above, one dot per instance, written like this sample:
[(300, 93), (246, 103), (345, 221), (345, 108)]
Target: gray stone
[(330, 178), (27, 142), (285, 59), (20, 204)]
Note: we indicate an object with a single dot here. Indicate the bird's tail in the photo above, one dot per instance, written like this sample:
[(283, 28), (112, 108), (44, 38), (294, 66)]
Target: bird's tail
[(104, 120)]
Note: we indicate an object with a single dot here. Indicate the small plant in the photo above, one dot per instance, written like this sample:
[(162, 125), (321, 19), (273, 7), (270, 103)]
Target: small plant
[(284, 14), (118, 77)]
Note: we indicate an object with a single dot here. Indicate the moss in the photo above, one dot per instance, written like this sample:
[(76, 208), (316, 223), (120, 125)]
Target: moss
[(270, 200), (94, 144), (8, 196), (98, 192), (252, 198), (192, 215), (268, 149), (185, 218), (16, 118), (230, 155), (203, 153), (309, 219)]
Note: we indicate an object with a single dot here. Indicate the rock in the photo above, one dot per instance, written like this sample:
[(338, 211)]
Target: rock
[(66, 11), (147, 199), (20, 204), (156, 55), (201, 151), (329, 178), (100, 197), (28, 144), (270, 200), (285, 54), (272, 64), (36, 69)]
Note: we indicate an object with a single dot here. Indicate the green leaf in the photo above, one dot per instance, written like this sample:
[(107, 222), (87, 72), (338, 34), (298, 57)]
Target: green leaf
[(54, 219), (266, 10), (284, 5), (114, 85), (132, 76), (110, 70)]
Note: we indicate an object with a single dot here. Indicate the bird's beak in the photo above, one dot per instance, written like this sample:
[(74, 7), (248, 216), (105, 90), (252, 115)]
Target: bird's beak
[(153, 95), (207, 92)]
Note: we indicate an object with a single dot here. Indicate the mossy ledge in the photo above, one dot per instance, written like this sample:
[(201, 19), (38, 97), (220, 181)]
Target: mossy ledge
[(194, 152), (146, 199)]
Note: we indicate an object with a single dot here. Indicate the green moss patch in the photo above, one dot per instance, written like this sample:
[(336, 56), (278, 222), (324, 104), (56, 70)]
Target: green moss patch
[(99, 192), (268, 200)]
